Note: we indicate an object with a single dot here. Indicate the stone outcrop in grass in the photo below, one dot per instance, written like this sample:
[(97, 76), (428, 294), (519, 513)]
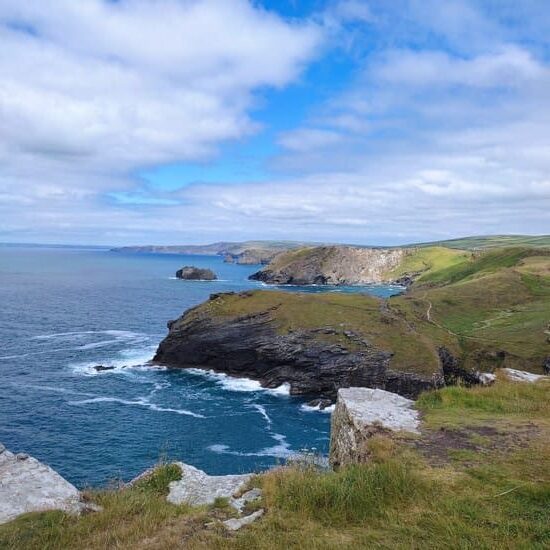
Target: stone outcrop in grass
[(361, 413), (27, 485), (197, 488)]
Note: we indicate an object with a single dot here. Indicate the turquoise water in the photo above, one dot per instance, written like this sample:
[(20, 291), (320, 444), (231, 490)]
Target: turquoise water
[(62, 311)]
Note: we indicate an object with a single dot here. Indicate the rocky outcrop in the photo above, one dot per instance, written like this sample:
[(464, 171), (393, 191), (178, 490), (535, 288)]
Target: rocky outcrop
[(523, 376), (332, 265), (197, 488), (192, 273), (251, 346), (361, 413), (27, 485)]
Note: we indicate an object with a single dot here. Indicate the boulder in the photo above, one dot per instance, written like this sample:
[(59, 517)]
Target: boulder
[(192, 273), (197, 488), (523, 376), (361, 413), (234, 524), (27, 485)]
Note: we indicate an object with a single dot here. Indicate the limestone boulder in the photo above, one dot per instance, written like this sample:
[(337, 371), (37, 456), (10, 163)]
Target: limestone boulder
[(27, 485), (361, 413)]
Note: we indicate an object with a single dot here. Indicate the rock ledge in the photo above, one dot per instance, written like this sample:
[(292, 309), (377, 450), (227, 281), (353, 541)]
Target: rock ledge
[(27, 485), (361, 413)]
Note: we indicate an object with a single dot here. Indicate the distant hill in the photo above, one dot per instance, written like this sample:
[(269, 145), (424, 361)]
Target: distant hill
[(247, 252), (492, 241)]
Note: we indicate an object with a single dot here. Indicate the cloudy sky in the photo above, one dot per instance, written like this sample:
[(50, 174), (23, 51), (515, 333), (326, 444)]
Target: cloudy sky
[(186, 121)]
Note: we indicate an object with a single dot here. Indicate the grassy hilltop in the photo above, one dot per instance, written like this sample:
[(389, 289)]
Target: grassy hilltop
[(488, 308)]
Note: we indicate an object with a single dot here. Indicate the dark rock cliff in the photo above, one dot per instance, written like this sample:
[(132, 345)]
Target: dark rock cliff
[(251, 346)]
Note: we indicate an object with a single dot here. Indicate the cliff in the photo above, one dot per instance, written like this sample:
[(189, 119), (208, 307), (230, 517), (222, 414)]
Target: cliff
[(477, 314), (332, 265), (281, 338)]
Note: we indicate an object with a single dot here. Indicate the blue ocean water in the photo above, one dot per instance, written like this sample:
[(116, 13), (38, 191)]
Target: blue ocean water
[(62, 311)]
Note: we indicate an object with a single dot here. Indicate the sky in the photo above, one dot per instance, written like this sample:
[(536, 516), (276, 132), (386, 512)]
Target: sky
[(191, 121)]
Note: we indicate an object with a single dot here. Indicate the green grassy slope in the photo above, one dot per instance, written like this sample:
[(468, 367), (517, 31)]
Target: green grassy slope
[(492, 241), (428, 260), (497, 301)]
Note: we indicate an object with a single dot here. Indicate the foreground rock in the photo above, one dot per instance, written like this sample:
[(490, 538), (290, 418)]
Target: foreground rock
[(27, 485), (192, 273), (197, 488), (523, 376), (361, 413), (331, 265)]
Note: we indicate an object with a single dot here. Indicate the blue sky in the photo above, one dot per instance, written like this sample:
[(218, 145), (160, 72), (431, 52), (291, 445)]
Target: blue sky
[(362, 121)]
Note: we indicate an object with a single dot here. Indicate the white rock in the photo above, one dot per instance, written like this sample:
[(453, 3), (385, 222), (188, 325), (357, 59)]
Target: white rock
[(27, 485), (197, 488), (249, 496), (236, 523), (359, 414), (523, 376), (486, 378)]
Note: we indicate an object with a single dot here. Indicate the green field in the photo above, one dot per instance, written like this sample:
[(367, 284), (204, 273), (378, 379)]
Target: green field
[(492, 241)]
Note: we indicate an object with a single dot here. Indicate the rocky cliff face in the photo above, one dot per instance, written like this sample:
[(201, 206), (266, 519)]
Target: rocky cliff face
[(331, 265), (252, 346)]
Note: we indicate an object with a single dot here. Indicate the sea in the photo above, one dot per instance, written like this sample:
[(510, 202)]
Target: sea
[(65, 310)]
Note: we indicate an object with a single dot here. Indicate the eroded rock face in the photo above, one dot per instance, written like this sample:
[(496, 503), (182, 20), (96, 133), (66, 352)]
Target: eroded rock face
[(251, 347), (361, 413), (197, 488), (331, 265), (27, 485), (191, 273)]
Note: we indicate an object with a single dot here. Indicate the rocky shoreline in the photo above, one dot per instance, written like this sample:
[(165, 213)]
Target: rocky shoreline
[(250, 346)]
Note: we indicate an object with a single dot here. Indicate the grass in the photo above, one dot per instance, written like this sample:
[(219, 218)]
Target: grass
[(427, 260), (493, 241), (129, 517)]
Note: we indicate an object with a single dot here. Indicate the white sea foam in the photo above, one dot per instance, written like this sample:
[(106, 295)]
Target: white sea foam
[(262, 411), (141, 402), (282, 450), (134, 359), (239, 384), (317, 408), (123, 334)]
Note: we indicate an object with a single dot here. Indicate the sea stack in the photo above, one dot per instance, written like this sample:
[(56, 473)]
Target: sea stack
[(192, 273)]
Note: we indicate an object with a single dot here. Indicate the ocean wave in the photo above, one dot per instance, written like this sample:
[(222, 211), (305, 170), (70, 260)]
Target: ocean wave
[(141, 402), (262, 411), (238, 384), (317, 408), (282, 450), (122, 334), (126, 360)]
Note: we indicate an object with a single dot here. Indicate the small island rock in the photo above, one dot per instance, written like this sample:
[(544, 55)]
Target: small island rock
[(192, 273)]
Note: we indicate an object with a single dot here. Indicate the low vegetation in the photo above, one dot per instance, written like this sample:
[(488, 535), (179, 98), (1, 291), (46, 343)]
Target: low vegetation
[(477, 477)]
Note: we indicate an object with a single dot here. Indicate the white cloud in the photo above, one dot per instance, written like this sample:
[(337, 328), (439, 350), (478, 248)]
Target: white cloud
[(110, 86), (444, 131)]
